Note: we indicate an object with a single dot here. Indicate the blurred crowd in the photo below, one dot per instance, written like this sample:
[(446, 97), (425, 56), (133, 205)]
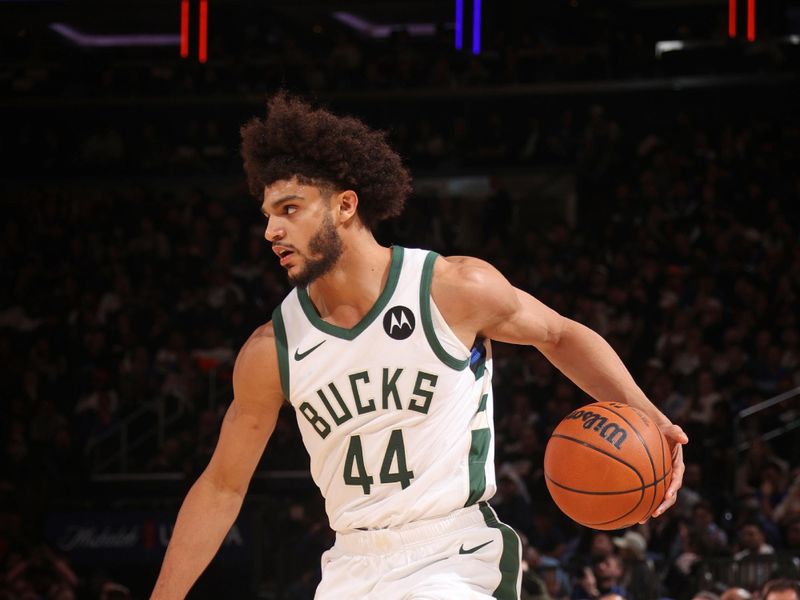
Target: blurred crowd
[(35, 573), (685, 257), (196, 140)]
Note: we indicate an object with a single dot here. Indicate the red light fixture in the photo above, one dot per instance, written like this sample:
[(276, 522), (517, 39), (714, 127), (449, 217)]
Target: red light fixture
[(202, 29), (202, 47), (184, 28)]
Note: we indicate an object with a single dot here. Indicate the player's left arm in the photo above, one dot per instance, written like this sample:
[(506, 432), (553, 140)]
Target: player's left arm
[(478, 298)]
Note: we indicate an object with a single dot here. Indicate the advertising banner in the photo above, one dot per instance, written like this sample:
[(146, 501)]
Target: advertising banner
[(115, 537)]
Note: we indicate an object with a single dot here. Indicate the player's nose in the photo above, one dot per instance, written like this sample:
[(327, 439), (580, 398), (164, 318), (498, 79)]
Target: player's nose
[(273, 233)]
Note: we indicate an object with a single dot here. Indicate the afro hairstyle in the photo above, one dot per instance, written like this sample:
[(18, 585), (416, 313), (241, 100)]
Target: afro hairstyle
[(319, 148)]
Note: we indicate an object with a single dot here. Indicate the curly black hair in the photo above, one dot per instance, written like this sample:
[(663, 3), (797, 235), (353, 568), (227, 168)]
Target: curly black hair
[(332, 152)]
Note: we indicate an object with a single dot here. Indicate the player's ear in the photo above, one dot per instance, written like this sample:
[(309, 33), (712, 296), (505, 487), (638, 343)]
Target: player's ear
[(346, 206)]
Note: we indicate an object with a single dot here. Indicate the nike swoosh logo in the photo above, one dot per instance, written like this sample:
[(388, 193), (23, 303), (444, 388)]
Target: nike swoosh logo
[(471, 550), (301, 355)]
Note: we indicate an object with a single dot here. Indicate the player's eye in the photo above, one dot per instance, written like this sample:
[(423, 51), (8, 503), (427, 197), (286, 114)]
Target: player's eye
[(290, 208)]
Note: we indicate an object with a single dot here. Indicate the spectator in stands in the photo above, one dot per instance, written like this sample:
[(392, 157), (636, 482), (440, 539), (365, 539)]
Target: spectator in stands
[(788, 509), (639, 580), (748, 474), (533, 586), (679, 578), (781, 589), (546, 532), (585, 585), (736, 593), (603, 579), (608, 574), (752, 542), (601, 545), (704, 399), (791, 536), (703, 521), (41, 574), (691, 492), (773, 488), (557, 587), (512, 501)]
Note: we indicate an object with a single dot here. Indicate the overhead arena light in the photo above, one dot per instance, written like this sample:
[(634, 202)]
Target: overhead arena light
[(375, 30), (93, 40), (668, 46)]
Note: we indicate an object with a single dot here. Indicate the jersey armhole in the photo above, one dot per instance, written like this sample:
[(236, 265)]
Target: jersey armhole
[(427, 306), (283, 350)]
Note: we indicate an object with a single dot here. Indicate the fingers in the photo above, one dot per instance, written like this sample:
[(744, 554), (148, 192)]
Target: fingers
[(676, 434), (677, 437), (669, 499), (677, 472), (678, 469), (665, 505)]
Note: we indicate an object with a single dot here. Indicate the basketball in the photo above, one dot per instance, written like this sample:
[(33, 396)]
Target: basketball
[(607, 465)]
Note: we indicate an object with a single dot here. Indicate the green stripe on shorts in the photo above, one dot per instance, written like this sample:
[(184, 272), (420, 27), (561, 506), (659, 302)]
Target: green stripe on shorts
[(509, 560)]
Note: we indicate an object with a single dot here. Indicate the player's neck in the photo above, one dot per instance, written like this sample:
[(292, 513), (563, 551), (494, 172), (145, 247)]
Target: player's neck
[(347, 293)]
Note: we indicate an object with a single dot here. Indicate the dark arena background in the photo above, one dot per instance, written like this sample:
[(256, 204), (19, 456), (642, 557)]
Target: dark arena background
[(635, 164)]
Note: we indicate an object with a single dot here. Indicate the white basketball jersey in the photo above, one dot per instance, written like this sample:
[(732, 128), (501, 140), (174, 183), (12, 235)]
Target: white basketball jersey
[(396, 413)]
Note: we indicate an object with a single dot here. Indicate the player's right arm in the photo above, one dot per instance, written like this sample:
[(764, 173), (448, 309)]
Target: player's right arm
[(214, 501)]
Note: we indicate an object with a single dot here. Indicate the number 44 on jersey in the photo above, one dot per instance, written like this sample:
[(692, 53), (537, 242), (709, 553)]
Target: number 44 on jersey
[(395, 451)]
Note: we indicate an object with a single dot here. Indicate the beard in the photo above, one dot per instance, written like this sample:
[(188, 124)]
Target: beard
[(326, 247)]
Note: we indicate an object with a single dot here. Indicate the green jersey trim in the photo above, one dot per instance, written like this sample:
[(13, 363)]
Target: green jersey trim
[(377, 308), (427, 321), (478, 453), (283, 350), (509, 560)]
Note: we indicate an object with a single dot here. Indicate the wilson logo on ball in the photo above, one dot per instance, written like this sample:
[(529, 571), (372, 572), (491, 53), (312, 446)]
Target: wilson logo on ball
[(611, 432)]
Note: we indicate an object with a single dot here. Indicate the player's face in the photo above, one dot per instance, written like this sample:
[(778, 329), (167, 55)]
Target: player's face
[(301, 230)]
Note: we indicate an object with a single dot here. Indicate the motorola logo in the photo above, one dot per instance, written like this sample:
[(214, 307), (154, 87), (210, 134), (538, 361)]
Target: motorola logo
[(399, 322)]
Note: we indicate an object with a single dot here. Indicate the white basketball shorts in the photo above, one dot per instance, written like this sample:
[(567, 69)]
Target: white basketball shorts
[(468, 555)]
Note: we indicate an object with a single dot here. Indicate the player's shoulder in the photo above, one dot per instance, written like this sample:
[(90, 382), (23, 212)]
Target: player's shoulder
[(258, 350), (262, 335), (468, 289), (256, 374), (463, 272), (472, 295)]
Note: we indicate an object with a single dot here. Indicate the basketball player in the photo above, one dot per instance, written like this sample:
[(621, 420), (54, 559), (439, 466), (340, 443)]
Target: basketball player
[(384, 354)]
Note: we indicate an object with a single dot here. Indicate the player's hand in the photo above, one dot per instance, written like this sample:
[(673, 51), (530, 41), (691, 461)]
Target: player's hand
[(675, 438)]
